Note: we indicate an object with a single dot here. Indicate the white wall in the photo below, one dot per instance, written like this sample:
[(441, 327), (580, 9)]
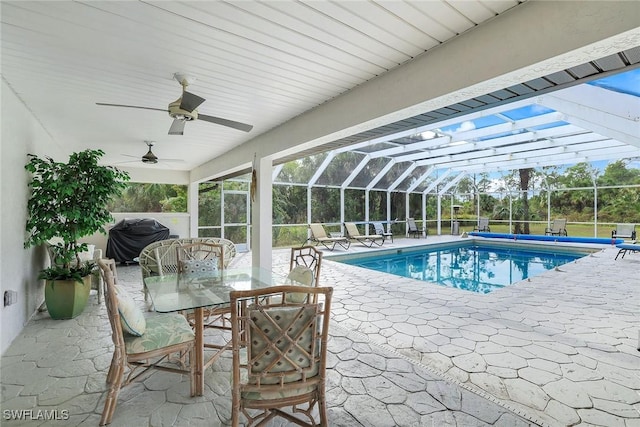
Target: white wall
[(19, 267), (21, 134)]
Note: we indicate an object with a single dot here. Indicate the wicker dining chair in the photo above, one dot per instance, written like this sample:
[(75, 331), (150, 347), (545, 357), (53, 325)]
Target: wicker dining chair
[(160, 336), (285, 344), (307, 256), (204, 258), (160, 258)]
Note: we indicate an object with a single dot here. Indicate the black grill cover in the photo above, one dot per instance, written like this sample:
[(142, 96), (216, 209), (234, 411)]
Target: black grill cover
[(128, 237)]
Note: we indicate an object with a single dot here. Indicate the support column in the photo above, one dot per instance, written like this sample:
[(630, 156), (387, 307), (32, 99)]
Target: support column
[(261, 215), (439, 216), (192, 208)]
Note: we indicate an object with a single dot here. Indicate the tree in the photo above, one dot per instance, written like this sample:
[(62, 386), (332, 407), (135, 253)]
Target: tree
[(525, 176)]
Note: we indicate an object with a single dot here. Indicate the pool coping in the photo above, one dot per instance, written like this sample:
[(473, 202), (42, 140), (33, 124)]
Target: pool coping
[(585, 248)]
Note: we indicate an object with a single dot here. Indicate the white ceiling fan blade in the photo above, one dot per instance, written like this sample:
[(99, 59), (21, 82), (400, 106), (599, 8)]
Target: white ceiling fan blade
[(127, 161)]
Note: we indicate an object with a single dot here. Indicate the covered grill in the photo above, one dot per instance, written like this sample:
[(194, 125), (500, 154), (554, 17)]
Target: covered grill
[(128, 237)]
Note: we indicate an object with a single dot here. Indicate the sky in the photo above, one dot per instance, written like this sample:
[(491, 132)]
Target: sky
[(628, 82)]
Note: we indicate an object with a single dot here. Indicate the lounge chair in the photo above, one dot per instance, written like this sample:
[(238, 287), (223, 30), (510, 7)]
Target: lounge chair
[(626, 247), (412, 228), (379, 229), (368, 241), (483, 224), (558, 228), (319, 236), (624, 231)]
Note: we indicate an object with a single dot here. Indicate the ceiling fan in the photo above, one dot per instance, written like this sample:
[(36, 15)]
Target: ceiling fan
[(150, 158), (184, 109)]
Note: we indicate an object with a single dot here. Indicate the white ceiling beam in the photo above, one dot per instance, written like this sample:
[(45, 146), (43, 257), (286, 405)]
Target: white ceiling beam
[(613, 114), (438, 180), (616, 103), (434, 126), (381, 174), (506, 153), (540, 120), (472, 135), (407, 148), (507, 168), (355, 172), (276, 171), (363, 144), (421, 179), (554, 133), (542, 151), (321, 169), (616, 153), (402, 177), (453, 182)]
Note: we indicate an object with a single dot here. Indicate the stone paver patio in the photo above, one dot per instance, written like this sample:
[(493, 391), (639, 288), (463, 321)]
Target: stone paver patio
[(559, 349)]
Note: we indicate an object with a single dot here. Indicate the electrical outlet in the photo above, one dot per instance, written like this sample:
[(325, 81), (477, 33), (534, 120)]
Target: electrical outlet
[(10, 297)]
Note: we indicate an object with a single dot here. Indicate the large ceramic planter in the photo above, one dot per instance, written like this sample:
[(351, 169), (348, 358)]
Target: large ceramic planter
[(66, 299)]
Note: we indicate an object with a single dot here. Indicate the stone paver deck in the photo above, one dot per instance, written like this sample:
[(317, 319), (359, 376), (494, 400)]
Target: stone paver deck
[(559, 349)]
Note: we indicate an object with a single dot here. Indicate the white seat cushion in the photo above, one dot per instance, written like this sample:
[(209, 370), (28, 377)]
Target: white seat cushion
[(131, 316)]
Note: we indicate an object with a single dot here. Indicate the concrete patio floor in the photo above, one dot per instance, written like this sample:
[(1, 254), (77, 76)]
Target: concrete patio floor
[(559, 349)]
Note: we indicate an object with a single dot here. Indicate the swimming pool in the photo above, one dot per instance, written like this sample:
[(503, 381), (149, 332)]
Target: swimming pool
[(469, 266)]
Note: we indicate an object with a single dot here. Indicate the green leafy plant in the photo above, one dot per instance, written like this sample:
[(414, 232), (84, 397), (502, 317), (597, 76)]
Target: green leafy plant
[(68, 201)]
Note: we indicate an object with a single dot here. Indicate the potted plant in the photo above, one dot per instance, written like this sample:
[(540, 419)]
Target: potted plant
[(68, 202)]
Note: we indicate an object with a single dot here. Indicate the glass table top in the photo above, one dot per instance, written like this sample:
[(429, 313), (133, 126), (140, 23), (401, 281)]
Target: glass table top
[(175, 292)]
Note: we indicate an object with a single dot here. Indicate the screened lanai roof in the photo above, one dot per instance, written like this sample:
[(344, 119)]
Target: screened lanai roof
[(593, 121)]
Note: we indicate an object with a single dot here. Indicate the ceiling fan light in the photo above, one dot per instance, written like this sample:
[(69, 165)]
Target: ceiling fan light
[(149, 157)]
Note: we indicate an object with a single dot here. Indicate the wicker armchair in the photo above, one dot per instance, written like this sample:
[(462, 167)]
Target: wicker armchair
[(160, 258)]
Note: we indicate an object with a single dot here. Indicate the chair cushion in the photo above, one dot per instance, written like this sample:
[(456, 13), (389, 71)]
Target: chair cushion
[(198, 267), (162, 330), (304, 276), (286, 391), (302, 361), (301, 274), (300, 357), (131, 316)]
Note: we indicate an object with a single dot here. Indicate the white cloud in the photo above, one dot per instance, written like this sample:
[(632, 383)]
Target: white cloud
[(465, 126)]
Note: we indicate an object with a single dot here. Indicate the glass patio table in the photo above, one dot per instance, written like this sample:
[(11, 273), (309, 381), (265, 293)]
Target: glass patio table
[(178, 292)]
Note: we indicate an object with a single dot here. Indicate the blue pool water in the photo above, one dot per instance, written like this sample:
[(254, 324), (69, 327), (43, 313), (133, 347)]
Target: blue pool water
[(471, 267)]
